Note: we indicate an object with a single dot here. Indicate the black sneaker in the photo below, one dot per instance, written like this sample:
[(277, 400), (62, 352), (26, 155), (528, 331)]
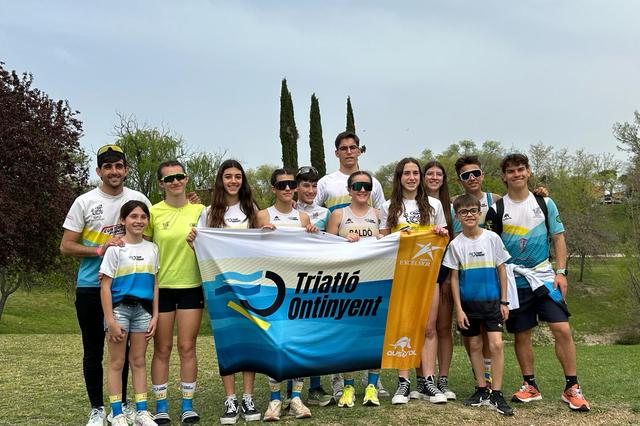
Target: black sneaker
[(443, 385), (248, 409), (479, 397), (402, 393), (419, 392), (231, 412), (432, 393), (497, 402)]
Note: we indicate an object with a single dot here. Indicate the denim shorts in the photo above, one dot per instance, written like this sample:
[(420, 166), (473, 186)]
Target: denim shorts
[(133, 318)]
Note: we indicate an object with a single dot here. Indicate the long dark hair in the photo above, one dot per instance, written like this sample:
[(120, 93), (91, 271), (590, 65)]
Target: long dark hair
[(396, 206), (443, 192), (219, 205)]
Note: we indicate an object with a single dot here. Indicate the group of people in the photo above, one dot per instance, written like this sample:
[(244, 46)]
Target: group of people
[(139, 278)]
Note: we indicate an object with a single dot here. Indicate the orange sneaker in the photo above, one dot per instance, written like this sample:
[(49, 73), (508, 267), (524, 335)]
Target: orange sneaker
[(527, 393), (573, 396)]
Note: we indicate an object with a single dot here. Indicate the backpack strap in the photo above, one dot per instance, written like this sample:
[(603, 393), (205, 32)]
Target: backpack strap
[(494, 223), (543, 206)]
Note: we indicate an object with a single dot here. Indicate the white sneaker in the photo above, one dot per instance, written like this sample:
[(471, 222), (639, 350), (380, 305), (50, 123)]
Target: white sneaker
[(96, 417), (273, 411), (119, 420), (129, 411), (337, 385), (143, 418), (298, 410)]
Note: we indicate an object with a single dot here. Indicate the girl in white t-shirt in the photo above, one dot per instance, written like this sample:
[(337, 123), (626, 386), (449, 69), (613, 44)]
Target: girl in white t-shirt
[(410, 208)]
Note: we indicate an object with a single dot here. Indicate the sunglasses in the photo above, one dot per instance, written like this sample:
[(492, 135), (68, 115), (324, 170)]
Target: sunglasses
[(282, 185), (306, 169), (467, 175), (466, 212), (349, 148), (107, 148), (357, 186), (171, 178)]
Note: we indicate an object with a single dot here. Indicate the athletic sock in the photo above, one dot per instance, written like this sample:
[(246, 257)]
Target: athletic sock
[(188, 389), (487, 368), (348, 379), (297, 387), (372, 378), (116, 404), (531, 380), (570, 381), (141, 401), (160, 391), (274, 387), (314, 382)]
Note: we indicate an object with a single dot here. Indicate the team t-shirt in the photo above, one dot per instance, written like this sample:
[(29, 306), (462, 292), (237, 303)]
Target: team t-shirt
[(524, 231), (279, 219), (485, 202), (319, 216), (333, 193), (96, 216), (477, 261), (234, 217), (168, 228), (366, 226), (410, 215), (133, 269)]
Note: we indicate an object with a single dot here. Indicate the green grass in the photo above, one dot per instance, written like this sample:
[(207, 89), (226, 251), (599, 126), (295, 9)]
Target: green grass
[(42, 384)]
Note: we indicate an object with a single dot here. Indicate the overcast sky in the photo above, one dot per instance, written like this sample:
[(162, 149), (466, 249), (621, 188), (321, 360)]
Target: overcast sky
[(421, 74)]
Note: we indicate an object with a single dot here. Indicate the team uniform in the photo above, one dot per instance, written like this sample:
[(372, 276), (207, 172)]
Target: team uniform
[(366, 226), (525, 236), (477, 260), (333, 193), (96, 216), (179, 281), (410, 215), (234, 218), (485, 202), (288, 220), (133, 269), (319, 216)]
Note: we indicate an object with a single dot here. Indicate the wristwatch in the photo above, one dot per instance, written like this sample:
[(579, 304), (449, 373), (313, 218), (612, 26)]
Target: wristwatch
[(562, 271), (504, 302)]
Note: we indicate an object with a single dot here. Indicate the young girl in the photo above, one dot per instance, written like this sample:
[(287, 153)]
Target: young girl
[(232, 206), (353, 222), (129, 294), (410, 208)]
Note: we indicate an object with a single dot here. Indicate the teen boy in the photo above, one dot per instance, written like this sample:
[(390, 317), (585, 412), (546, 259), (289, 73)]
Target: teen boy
[(524, 227), (479, 289)]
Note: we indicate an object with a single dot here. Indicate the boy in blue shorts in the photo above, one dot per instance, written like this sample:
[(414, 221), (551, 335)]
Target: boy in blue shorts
[(479, 289)]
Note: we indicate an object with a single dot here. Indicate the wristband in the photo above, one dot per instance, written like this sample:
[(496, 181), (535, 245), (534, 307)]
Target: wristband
[(562, 271), (99, 251), (504, 302)]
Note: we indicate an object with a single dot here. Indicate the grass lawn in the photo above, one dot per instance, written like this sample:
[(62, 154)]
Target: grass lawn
[(41, 384)]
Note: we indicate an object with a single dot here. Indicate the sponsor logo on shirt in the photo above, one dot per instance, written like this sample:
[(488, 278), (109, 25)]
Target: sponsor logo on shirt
[(136, 258), (506, 217), (537, 212), (166, 225), (96, 213), (370, 220), (476, 254), (348, 221), (401, 348), (412, 217)]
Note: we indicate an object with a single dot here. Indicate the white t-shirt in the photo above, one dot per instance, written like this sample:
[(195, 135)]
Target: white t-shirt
[(410, 215), (133, 269), (234, 217), (97, 216), (333, 194), (279, 219), (319, 216)]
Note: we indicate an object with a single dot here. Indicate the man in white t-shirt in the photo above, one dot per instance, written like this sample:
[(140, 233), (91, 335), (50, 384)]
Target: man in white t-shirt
[(332, 188), (91, 226)]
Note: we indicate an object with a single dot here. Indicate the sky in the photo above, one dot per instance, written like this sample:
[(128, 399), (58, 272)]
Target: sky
[(420, 74)]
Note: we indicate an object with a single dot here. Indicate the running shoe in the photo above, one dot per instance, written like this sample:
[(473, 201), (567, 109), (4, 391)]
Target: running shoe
[(337, 385), (130, 412), (527, 393), (348, 398), (96, 417), (119, 420), (497, 402), (319, 397), (382, 392), (402, 392), (143, 418), (231, 412), (371, 396), (443, 385), (417, 393), (432, 394), (479, 397), (573, 396), (189, 417), (298, 410), (248, 409), (162, 418), (273, 411)]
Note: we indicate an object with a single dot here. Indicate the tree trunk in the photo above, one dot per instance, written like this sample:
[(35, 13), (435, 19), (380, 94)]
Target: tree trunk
[(3, 300), (582, 260)]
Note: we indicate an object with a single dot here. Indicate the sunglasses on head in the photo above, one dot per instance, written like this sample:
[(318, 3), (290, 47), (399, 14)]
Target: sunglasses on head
[(107, 148), (282, 185), (467, 175), (171, 178), (357, 186), (466, 212), (306, 169)]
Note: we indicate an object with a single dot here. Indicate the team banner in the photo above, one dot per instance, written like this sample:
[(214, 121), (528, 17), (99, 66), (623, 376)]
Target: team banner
[(288, 303)]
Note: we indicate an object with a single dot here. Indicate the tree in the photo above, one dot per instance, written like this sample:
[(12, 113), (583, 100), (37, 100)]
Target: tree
[(316, 144), (385, 176), (351, 123), (146, 147), (202, 168), (540, 162), (288, 131), (42, 169), (260, 182)]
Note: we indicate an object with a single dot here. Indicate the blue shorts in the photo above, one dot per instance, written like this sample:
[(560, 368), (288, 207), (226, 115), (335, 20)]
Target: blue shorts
[(133, 318)]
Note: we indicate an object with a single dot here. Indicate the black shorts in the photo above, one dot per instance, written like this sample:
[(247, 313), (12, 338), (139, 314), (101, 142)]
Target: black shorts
[(475, 326), (442, 274), (170, 299), (534, 308)]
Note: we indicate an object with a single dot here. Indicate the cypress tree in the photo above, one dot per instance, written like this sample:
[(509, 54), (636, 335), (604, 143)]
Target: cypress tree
[(351, 124), (288, 131), (316, 143)]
